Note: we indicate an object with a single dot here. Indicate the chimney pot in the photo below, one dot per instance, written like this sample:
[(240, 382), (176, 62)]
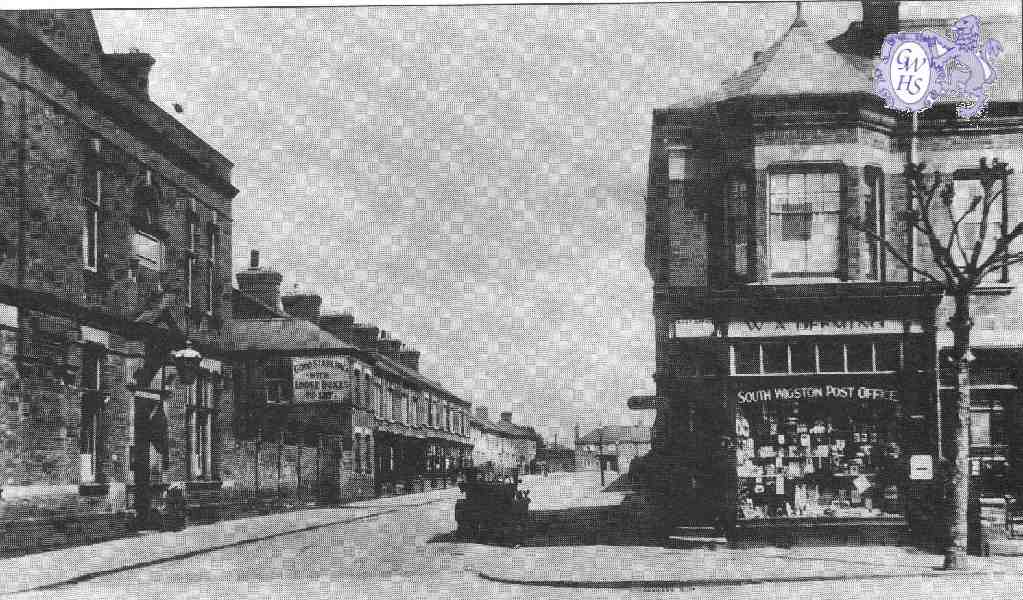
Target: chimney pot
[(254, 259)]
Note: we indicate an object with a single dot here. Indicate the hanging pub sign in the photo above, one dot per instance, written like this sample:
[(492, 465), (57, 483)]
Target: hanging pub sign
[(321, 379), (742, 329), (812, 392)]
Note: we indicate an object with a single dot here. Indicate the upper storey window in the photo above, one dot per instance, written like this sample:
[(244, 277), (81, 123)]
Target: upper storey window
[(738, 224), (805, 207), (872, 212), (93, 203), (677, 156), (968, 205)]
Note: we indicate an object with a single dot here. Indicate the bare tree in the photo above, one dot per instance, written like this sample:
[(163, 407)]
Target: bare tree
[(960, 263)]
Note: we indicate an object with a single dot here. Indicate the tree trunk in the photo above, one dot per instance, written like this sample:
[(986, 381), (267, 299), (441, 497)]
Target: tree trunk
[(956, 518)]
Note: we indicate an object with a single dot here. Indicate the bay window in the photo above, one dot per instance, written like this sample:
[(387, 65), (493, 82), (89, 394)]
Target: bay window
[(738, 224), (804, 225), (872, 214)]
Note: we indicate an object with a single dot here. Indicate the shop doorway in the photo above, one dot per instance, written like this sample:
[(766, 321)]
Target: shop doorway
[(329, 474)]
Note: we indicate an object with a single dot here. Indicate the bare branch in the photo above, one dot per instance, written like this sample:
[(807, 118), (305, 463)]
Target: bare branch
[(1004, 261), (989, 201), (899, 257), (1002, 246), (941, 257)]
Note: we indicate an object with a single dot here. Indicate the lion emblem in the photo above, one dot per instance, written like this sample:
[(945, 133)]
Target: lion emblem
[(968, 67)]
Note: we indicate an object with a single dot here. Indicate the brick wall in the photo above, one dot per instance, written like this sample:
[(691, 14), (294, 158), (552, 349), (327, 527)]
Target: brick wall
[(50, 117)]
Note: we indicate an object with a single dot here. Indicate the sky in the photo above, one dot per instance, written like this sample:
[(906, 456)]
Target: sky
[(469, 178)]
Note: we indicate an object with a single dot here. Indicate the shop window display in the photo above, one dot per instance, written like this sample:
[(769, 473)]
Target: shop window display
[(817, 458)]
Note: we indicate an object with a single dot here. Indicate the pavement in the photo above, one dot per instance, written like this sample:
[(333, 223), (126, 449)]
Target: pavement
[(402, 545), (47, 570), (645, 567)]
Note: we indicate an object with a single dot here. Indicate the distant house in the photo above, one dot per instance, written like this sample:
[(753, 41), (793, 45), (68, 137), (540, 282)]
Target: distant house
[(614, 446), (557, 457), (502, 443)]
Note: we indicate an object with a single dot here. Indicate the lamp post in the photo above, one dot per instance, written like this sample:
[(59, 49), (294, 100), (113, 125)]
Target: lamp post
[(600, 452)]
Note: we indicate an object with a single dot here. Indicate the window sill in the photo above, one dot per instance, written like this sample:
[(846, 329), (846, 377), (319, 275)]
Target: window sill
[(795, 280), (994, 289)]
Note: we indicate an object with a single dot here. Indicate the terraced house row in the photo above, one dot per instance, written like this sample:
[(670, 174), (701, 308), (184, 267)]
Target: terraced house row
[(331, 409), (133, 375)]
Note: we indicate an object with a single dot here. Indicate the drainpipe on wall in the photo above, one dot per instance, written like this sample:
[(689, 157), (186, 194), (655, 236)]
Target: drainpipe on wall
[(911, 241)]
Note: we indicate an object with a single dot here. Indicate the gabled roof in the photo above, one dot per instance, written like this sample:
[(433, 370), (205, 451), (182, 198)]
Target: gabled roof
[(283, 335), (613, 434)]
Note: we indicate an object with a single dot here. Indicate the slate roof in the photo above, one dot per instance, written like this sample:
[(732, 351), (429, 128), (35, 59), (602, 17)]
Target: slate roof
[(616, 434), (283, 334), (504, 428), (801, 62)]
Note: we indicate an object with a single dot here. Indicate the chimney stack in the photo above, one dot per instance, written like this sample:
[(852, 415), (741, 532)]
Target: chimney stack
[(388, 346), (339, 325), (365, 337), (506, 417), (262, 284), (482, 413), (409, 358), (303, 305), (130, 70)]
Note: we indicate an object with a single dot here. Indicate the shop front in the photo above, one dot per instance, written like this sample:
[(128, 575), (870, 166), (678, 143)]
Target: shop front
[(827, 416)]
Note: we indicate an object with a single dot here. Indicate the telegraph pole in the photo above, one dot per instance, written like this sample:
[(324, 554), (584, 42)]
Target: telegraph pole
[(600, 453)]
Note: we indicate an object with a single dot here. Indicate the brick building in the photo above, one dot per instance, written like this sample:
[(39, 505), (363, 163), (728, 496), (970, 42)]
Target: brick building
[(115, 243), (303, 420), (614, 446), (502, 444), (796, 360), (383, 428)]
